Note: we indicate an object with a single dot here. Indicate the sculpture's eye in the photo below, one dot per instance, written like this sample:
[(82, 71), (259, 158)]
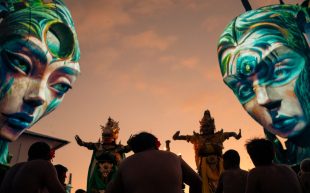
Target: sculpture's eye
[(245, 90), (16, 62), (284, 72), (280, 74), (61, 88)]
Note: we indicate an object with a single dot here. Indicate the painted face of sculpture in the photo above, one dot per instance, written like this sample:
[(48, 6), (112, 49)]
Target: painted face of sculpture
[(261, 64), (37, 68)]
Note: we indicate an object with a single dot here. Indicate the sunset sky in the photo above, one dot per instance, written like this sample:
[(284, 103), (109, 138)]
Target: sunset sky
[(151, 65)]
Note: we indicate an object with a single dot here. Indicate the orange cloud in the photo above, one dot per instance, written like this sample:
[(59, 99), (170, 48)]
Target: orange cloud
[(155, 7), (100, 15), (151, 7), (167, 59), (191, 62), (213, 23), (149, 40), (212, 73), (258, 4)]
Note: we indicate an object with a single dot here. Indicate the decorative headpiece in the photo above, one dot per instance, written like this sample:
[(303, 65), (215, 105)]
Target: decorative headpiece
[(48, 20), (207, 122), (111, 128), (14, 5)]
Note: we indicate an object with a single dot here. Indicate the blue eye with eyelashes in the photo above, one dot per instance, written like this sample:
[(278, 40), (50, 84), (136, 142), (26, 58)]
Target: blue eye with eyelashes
[(286, 70), (61, 88), (244, 92), (16, 62), (280, 74)]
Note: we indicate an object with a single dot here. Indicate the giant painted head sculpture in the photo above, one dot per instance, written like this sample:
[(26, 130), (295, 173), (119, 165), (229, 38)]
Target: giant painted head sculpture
[(39, 56), (264, 60)]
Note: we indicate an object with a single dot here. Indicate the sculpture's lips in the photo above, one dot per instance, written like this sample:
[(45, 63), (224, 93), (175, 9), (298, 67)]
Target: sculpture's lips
[(284, 123), (19, 121)]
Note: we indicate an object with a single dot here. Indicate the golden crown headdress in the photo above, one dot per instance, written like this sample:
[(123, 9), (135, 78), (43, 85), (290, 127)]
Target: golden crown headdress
[(111, 125)]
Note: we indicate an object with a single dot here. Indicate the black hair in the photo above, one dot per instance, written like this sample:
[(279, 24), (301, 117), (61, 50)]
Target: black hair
[(61, 173), (231, 159), (261, 151), (60, 168), (39, 150), (142, 141), (80, 191), (305, 165)]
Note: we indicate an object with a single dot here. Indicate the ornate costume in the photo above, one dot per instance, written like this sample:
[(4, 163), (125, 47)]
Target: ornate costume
[(101, 167), (208, 150)]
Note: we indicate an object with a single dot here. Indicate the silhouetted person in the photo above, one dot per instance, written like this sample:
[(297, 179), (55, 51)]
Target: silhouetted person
[(62, 176), (268, 177), (233, 179), (151, 170), (36, 175), (304, 175), (61, 173), (80, 191)]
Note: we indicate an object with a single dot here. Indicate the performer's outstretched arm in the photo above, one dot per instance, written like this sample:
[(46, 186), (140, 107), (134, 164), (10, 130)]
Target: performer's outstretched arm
[(80, 142), (177, 136), (124, 149), (227, 135)]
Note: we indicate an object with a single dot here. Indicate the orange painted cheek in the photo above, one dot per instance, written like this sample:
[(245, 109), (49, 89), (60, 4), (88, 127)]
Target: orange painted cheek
[(290, 93), (288, 90)]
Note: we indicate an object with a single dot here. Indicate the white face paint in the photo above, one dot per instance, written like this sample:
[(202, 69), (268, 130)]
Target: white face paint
[(32, 84)]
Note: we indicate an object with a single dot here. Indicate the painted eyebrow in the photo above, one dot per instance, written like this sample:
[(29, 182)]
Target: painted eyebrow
[(33, 51), (68, 70), (36, 53)]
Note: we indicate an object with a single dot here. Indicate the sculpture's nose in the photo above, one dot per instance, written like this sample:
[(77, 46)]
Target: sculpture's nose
[(265, 99), (34, 95)]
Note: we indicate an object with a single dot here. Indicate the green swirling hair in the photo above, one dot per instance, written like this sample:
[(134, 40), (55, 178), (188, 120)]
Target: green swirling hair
[(36, 18), (283, 21)]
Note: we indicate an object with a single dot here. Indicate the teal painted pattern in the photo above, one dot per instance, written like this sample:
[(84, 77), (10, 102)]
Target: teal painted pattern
[(261, 53), (5, 88), (255, 31), (33, 17), (52, 106), (4, 149)]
